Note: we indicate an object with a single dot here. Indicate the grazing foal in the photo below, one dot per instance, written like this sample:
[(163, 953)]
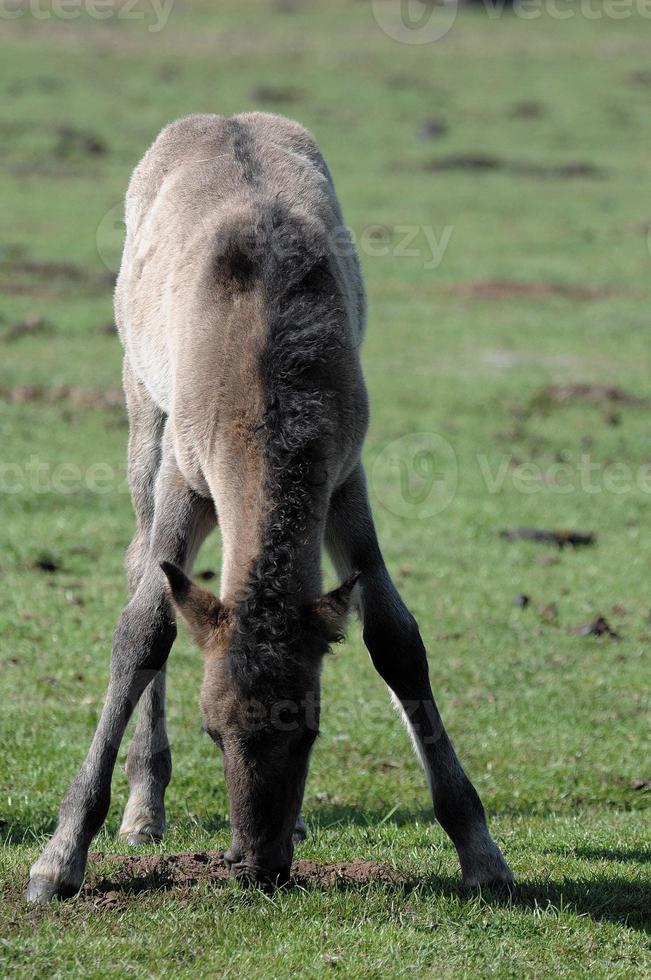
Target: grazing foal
[(241, 310)]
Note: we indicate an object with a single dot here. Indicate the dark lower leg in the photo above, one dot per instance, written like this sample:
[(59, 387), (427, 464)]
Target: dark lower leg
[(397, 651), (393, 639), (149, 760), (149, 768), (141, 645)]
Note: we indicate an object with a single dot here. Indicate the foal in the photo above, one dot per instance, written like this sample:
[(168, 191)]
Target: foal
[(241, 310)]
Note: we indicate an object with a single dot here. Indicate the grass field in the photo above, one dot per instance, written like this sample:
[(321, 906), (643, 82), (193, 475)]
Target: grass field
[(521, 148)]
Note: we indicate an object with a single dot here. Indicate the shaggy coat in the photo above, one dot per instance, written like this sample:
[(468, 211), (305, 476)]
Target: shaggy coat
[(241, 309)]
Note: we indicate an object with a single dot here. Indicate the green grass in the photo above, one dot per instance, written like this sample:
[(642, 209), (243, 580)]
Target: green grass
[(552, 726)]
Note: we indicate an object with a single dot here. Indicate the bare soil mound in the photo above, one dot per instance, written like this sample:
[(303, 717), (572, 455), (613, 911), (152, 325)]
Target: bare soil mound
[(150, 872), (502, 289)]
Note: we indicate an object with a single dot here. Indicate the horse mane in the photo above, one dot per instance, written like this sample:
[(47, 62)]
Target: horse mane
[(286, 254)]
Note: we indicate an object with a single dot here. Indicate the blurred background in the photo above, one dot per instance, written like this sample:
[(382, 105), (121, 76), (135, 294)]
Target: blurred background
[(492, 163)]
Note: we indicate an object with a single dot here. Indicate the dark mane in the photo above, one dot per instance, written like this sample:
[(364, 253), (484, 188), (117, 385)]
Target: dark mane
[(298, 373)]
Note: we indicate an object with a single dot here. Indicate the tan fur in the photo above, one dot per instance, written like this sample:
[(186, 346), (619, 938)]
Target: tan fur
[(226, 422), (195, 348)]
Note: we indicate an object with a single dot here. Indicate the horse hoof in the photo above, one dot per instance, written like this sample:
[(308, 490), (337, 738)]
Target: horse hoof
[(500, 887), (41, 891), (300, 831), (139, 837), (501, 883)]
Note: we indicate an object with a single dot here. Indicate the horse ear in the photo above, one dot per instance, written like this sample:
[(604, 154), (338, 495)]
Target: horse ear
[(200, 609), (332, 609)]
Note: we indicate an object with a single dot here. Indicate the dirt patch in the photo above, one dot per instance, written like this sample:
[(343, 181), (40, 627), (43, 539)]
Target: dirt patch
[(465, 161), (32, 325), (562, 539), (595, 394), (549, 613), (411, 83), (169, 73), (48, 167), (433, 129), (500, 289), (276, 95), (544, 171), (598, 627), (29, 277), (287, 6), (45, 84), (151, 872), (641, 77), (68, 395), (73, 142), (528, 109), (559, 171)]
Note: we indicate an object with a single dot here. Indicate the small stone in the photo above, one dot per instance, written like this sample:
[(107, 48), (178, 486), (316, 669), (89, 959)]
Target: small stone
[(598, 627), (432, 129), (638, 784), (47, 563)]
